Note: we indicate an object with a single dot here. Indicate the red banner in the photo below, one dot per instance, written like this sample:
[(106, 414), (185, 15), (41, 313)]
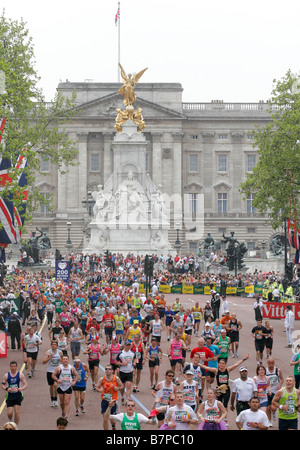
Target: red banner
[(3, 345), (277, 310)]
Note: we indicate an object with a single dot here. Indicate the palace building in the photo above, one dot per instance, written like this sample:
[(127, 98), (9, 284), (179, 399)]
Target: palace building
[(199, 151)]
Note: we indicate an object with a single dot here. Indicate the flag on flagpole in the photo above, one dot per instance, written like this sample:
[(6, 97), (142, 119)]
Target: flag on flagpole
[(2, 126), (117, 16), (11, 218)]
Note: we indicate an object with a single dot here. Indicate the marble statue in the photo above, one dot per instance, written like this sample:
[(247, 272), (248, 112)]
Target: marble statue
[(158, 206), (130, 201)]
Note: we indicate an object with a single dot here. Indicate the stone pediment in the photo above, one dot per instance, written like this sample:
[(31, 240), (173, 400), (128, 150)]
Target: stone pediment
[(105, 107), (45, 187), (222, 186), (193, 186)]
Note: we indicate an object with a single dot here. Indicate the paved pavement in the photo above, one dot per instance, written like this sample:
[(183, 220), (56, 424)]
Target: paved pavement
[(37, 414)]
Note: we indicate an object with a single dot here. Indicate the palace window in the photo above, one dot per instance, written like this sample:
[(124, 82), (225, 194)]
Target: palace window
[(249, 204), (222, 202), (193, 160), (251, 162), (222, 163), (95, 162)]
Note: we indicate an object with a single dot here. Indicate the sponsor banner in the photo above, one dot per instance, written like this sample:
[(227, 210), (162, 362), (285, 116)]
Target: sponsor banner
[(249, 289), (277, 310), (3, 345), (176, 289), (165, 289), (231, 290), (199, 290), (62, 270), (187, 289), (207, 289), (14, 304)]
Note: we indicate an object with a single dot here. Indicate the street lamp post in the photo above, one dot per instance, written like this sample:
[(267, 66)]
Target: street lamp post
[(285, 247), (69, 244), (263, 253), (177, 244)]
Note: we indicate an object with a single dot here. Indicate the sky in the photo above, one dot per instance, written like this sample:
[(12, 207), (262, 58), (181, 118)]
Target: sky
[(217, 50)]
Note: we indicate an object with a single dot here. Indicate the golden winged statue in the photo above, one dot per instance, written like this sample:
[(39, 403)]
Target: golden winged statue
[(129, 83)]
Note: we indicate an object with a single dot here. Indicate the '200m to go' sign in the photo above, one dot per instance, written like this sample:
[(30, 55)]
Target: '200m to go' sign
[(62, 270)]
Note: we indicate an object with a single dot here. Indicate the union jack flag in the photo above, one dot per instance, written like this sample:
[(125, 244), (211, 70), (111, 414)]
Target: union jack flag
[(117, 16), (11, 218), (293, 234)]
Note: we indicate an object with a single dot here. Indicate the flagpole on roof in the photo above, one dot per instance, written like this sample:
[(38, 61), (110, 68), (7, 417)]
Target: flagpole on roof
[(119, 39)]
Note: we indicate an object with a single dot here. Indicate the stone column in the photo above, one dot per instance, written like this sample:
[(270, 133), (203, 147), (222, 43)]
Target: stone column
[(82, 168), (177, 162), (61, 192), (157, 158), (177, 176), (107, 169)]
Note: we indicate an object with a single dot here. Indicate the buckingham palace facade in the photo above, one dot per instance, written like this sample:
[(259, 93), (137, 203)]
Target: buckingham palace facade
[(195, 150)]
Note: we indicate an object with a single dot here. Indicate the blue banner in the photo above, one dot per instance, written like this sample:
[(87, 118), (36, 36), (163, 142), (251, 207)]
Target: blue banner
[(62, 270)]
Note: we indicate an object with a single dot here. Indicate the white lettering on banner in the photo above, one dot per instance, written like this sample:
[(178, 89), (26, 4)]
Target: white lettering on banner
[(13, 306), (3, 346), (277, 310)]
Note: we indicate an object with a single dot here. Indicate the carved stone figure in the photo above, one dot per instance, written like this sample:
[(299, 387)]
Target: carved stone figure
[(208, 241), (101, 206), (276, 245), (158, 206), (44, 242), (158, 241)]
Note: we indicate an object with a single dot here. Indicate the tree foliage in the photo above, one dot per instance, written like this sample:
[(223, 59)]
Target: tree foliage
[(275, 181), (31, 122)]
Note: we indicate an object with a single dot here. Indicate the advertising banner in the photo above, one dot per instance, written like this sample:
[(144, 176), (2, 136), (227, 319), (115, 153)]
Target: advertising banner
[(3, 345), (273, 310)]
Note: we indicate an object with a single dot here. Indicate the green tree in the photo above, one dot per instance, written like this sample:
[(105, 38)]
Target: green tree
[(31, 122), (275, 181)]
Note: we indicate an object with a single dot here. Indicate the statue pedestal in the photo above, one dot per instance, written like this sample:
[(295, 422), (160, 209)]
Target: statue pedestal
[(129, 213), (139, 241)]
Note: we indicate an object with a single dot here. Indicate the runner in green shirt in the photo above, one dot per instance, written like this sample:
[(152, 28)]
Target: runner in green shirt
[(223, 343), (287, 400), (130, 420), (58, 303)]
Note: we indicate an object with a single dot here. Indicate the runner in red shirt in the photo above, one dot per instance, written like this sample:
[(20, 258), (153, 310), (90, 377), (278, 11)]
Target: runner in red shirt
[(93, 324), (108, 322), (205, 356)]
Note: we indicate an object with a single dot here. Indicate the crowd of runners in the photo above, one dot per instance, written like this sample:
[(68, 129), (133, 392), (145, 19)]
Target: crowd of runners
[(103, 311)]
